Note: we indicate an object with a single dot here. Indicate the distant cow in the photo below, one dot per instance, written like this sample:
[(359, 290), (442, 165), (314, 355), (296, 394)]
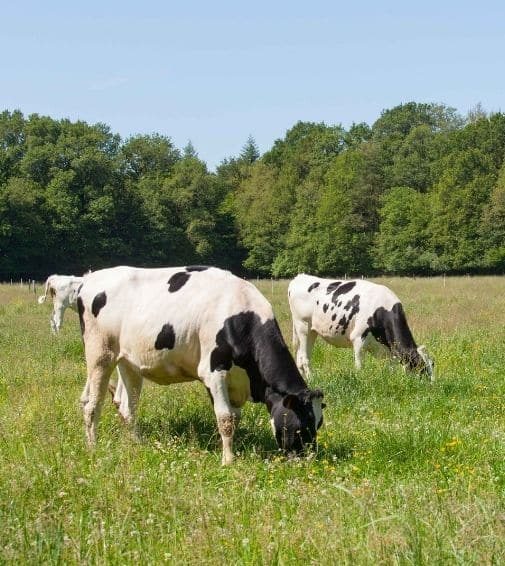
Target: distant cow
[(63, 290), (353, 313), (171, 325)]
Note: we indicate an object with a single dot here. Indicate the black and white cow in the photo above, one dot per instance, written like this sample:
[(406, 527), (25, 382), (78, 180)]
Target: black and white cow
[(171, 325), (63, 290), (352, 313)]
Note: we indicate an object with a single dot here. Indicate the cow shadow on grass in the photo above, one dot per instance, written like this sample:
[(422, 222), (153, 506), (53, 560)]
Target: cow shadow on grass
[(196, 429), (199, 430), (339, 451)]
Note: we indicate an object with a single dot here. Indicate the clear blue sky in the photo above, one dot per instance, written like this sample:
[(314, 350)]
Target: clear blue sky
[(215, 72)]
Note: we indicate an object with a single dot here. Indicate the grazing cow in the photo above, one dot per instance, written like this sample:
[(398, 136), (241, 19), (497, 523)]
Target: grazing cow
[(63, 289), (354, 313), (171, 325)]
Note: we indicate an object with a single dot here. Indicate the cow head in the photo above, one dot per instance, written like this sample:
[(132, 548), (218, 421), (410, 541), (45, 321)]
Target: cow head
[(427, 363), (418, 360), (296, 418)]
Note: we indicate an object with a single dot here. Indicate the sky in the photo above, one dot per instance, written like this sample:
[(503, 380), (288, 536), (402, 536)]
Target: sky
[(216, 72)]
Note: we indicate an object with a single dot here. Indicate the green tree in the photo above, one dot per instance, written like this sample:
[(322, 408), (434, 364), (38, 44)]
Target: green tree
[(189, 151), (401, 243), (197, 196), (23, 233), (260, 207), (344, 222), (250, 152), (492, 226), (413, 162), (458, 201), (148, 154), (12, 143)]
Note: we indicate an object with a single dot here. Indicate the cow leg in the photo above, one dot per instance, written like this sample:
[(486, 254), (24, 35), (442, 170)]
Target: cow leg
[(362, 341), (357, 346), (85, 394), (227, 416), (305, 339), (57, 317), (94, 394), (127, 395), (117, 389)]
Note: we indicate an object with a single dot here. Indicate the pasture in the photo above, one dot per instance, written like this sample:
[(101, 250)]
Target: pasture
[(406, 472)]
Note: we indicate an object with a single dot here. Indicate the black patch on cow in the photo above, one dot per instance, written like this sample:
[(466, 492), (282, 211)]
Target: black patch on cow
[(353, 307), (98, 303), (274, 379), (294, 419), (80, 310), (332, 286), (339, 304), (166, 338), (79, 288), (259, 348), (352, 303), (197, 268), (390, 328), (342, 290), (317, 302), (221, 357), (334, 316), (325, 307), (313, 286), (177, 281)]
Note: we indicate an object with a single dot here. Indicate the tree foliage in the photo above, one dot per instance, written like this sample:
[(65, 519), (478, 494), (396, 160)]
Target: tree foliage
[(419, 191)]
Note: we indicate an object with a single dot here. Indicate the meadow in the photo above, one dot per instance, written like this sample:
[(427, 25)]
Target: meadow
[(405, 473)]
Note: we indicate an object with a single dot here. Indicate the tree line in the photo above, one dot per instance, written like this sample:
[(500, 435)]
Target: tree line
[(420, 191)]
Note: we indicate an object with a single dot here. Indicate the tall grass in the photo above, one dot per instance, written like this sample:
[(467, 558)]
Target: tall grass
[(406, 472)]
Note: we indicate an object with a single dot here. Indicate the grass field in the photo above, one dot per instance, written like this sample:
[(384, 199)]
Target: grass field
[(406, 472)]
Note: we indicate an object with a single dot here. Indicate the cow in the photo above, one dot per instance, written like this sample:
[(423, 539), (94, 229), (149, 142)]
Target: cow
[(63, 290), (352, 313), (177, 324)]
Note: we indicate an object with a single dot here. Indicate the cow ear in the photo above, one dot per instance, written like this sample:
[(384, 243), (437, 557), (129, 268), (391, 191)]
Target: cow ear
[(289, 401)]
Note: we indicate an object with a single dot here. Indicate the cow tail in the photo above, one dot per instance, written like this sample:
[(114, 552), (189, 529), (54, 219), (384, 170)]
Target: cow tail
[(42, 298), (296, 341)]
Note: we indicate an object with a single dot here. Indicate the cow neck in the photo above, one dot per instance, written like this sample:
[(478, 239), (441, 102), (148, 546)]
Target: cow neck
[(273, 361), (402, 335)]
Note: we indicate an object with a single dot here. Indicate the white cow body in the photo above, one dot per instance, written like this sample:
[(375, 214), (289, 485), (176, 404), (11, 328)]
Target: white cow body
[(171, 325), (63, 289), (354, 314)]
